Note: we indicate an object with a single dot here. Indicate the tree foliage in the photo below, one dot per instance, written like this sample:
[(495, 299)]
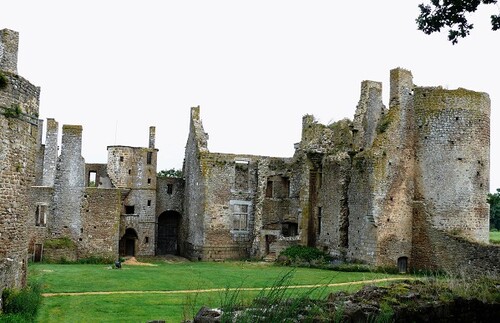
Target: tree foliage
[(494, 201), (452, 14), (172, 172)]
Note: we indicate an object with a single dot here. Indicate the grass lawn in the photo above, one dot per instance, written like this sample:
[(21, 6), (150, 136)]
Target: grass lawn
[(495, 237), (185, 276)]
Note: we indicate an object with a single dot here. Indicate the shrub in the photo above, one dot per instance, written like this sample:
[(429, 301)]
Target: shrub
[(302, 255), (3, 81), (59, 243), (21, 305)]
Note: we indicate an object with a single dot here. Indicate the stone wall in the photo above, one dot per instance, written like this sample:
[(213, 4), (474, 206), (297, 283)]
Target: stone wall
[(19, 102), (9, 43), (453, 159), (192, 224), (436, 249), (100, 213), (169, 194), (69, 185), (50, 153)]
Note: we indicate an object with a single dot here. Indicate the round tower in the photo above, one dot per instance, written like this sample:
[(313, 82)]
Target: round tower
[(453, 149), (19, 101)]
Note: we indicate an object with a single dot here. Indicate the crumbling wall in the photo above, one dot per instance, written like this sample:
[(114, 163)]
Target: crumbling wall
[(169, 194), (19, 102), (100, 223), (192, 225), (230, 183), (69, 185), (453, 159), (50, 153)]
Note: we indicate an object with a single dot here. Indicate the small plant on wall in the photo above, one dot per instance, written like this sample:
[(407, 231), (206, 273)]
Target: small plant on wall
[(13, 112), (3, 81)]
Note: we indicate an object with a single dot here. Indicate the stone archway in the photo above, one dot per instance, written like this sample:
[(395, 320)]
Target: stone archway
[(167, 242), (128, 243)]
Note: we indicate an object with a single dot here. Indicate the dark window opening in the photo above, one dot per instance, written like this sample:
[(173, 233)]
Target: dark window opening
[(170, 189), (121, 158), (129, 171), (149, 202), (149, 180), (129, 209), (146, 240), (81, 230), (289, 229), (269, 189), (149, 157), (286, 186), (41, 215)]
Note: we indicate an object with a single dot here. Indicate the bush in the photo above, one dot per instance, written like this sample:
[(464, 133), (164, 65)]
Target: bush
[(59, 243), (3, 81), (302, 255), (21, 305)]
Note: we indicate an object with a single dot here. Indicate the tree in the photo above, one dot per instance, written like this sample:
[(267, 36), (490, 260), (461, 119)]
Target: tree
[(494, 201), (172, 172), (452, 14)]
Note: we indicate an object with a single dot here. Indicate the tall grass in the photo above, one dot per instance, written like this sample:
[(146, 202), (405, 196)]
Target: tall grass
[(21, 305), (275, 304)]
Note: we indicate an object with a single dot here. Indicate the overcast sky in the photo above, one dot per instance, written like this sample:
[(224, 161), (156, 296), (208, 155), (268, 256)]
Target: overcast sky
[(255, 67)]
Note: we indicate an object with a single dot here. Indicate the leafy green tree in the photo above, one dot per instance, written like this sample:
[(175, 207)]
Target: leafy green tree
[(452, 14), (494, 201), (172, 172)]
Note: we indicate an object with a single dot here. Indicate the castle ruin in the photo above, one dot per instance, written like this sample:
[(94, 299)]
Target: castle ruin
[(402, 186)]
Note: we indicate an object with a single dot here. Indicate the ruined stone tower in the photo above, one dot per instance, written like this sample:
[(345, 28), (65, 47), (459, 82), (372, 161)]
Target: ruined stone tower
[(19, 102)]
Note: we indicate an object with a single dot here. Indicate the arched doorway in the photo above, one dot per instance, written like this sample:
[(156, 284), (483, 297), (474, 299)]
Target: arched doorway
[(168, 233), (127, 243)]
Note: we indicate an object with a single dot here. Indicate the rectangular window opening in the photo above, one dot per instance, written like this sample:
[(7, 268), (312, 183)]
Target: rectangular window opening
[(129, 209), (91, 179), (170, 189), (41, 215), (269, 189), (149, 157), (241, 175), (149, 202), (240, 214)]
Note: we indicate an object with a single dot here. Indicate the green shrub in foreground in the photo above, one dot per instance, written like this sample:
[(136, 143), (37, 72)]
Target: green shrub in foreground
[(21, 305)]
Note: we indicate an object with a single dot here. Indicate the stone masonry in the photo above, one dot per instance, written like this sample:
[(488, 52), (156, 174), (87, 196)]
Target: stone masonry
[(19, 102), (402, 186)]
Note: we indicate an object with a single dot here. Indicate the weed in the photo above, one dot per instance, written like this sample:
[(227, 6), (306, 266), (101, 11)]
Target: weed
[(13, 112), (3, 81), (59, 243), (21, 305)]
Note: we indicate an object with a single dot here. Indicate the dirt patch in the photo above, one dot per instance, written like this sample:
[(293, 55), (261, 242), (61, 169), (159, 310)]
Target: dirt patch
[(174, 259), (133, 262)]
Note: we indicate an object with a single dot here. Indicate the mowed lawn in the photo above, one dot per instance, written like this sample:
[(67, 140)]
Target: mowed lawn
[(189, 279), (495, 237)]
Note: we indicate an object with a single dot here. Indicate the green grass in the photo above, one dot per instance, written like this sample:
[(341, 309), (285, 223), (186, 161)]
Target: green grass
[(495, 237), (164, 277)]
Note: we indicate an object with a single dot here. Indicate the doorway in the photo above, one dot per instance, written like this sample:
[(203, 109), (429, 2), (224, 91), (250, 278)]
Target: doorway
[(168, 233), (128, 242), (403, 265), (38, 252)]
